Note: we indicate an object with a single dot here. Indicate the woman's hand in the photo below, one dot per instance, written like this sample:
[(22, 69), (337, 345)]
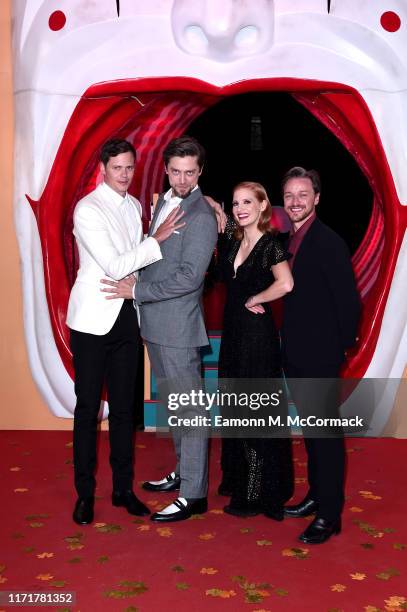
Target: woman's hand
[(253, 306)]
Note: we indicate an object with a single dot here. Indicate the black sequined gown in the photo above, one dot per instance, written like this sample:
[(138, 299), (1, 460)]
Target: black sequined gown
[(258, 471)]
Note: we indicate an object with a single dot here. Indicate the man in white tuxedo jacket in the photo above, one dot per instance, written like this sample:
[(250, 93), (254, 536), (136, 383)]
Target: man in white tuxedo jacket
[(105, 337)]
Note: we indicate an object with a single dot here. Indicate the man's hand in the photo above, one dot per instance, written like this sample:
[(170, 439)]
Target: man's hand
[(221, 217), (119, 289), (169, 226)]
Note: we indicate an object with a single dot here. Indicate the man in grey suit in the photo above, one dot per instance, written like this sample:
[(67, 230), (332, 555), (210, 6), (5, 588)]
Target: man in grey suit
[(170, 298)]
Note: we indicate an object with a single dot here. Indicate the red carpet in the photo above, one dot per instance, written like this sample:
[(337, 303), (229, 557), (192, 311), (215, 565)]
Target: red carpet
[(211, 562)]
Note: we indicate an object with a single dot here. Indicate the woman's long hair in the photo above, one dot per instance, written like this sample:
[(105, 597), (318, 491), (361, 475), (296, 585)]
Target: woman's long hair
[(260, 194)]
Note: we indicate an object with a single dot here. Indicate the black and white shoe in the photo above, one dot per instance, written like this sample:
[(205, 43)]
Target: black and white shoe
[(172, 482), (181, 509)]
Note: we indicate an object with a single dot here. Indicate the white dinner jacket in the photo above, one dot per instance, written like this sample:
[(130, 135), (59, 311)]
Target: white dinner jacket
[(108, 247)]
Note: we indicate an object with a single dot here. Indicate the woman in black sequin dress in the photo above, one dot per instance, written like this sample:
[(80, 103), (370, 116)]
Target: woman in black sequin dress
[(257, 472)]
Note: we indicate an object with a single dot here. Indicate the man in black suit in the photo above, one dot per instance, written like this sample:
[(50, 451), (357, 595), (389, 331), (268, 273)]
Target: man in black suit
[(320, 322)]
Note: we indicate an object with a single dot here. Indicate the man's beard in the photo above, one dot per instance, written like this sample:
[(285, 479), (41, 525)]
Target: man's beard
[(181, 195)]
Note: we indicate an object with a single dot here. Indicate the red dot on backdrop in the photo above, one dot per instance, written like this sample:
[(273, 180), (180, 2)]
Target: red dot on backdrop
[(390, 21), (57, 20)]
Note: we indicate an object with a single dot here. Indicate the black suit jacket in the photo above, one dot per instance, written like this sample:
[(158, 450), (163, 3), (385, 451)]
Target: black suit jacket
[(321, 314)]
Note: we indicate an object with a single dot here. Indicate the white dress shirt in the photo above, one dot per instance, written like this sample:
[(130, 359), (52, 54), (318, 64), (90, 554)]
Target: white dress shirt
[(171, 202)]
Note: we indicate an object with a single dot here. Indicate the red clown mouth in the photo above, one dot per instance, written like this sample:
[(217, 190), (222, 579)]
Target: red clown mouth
[(149, 112)]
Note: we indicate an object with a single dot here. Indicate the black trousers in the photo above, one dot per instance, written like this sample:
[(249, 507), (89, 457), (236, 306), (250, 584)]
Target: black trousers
[(111, 359), (314, 391)]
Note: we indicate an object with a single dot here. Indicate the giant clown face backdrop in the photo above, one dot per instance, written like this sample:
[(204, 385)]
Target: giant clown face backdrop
[(145, 70)]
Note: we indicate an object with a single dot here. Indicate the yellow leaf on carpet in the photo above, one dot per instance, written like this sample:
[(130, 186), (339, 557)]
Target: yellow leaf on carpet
[(164, 532), (206, 536), (44, 577), (220, 593), (357, 576), (338, 588)]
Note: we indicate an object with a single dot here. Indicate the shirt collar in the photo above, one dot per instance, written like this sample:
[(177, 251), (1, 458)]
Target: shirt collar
[(304, 227), (168, 197), (113, 196)]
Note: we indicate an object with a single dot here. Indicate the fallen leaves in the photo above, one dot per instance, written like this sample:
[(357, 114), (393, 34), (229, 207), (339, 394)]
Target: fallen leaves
[(264, 542), (395, 604), (127, 588), (44, 577), (369, 495), (59, 584), (369, 529), (338, 588), (20, 490), (387, 574), (182, 586), (355, 509), (177, 568), (357, 576), (254, 592), (298, 553), (206, 536), (15, 469), (107, 528), (223, 594), (75, 541), (208, 570), (45, 555), (164, 532)]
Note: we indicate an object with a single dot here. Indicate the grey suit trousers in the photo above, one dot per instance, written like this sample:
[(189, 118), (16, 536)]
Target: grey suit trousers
[(178, 370)]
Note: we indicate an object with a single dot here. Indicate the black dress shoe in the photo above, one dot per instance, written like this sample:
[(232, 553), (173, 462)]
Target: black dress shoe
[(184, 510), (130, 502), (305, 508), (320, 530), (172, 482), (83, 511)]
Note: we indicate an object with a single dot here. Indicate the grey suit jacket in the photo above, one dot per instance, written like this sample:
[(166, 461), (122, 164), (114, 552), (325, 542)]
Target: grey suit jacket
[(170, 291)]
